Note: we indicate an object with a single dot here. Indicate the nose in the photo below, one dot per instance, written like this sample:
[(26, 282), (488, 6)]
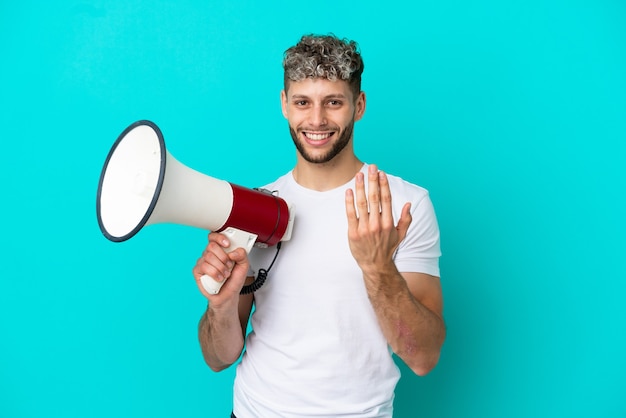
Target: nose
[(317, 116)]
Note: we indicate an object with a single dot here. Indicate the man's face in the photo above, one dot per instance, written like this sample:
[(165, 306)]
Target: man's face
[(321, 116)]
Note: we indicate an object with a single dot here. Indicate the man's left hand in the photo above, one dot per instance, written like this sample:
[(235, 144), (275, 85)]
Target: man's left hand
[(372, 234)]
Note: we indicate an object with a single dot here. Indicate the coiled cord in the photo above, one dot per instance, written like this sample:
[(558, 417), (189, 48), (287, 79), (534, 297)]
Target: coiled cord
[(261, 277)]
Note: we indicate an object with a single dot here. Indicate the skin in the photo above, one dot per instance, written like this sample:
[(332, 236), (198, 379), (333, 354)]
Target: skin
[(408, 305)]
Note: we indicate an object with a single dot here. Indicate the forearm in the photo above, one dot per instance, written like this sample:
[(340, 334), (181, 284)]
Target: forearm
[(221, 338), (414, 331)]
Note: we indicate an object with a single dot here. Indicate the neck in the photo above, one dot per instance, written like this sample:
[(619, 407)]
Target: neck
[(326, 176)]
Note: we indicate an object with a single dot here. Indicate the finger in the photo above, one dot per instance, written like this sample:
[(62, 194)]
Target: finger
[(215, 252), (385, 200), (350, 210), (213, 266), (214, 262), (221, 239), (373, 190), (205, 269), (361, 198)]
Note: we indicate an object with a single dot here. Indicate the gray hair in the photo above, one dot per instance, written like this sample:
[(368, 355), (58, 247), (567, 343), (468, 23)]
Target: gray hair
[(324, 56)]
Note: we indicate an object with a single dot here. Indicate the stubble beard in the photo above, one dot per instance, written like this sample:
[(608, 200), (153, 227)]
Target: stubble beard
[(338, 146)]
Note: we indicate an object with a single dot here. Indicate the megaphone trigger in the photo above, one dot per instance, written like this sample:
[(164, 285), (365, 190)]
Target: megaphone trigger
[(237, 239)]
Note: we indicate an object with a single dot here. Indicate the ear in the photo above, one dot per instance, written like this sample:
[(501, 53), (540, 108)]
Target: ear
[(283, 102), (359, 107)]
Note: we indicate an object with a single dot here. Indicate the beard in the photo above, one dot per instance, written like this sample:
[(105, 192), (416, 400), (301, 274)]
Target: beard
[(338, 146)]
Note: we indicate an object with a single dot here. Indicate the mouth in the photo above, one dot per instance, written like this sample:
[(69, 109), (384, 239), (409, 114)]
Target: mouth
[(317, 137)]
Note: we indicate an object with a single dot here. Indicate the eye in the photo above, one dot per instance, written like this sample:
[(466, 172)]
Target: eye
[(334, 103), (300, 103)]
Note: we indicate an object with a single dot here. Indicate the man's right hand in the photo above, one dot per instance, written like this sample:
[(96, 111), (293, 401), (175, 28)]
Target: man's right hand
[(231, 267)]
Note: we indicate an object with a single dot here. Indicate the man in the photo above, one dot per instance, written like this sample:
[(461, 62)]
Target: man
[(349, 286)]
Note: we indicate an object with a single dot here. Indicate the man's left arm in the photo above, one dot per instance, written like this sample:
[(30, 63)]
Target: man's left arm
[(409, 306)]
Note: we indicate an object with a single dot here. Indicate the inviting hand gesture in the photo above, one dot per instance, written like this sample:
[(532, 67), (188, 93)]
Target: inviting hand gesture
[(372, 234)]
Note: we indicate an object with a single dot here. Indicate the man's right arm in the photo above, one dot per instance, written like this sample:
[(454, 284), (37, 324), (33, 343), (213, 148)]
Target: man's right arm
[(221, 333), (222, 328)]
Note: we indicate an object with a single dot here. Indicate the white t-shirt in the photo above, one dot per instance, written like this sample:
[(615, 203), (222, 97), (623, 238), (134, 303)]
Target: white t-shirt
[(316, 349)]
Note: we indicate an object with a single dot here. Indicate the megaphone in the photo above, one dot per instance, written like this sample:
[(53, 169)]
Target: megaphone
[(142, 184)]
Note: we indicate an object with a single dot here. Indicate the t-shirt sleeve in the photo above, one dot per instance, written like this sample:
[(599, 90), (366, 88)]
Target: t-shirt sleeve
[(420, 250)]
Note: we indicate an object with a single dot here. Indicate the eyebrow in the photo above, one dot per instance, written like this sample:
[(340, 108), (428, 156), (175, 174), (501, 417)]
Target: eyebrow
[(330, 96)]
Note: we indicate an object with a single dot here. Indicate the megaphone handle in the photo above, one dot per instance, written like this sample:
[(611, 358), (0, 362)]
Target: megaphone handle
[(238, 239)]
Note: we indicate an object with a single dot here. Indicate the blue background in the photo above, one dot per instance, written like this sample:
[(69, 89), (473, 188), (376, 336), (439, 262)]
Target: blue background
[(512, 113)]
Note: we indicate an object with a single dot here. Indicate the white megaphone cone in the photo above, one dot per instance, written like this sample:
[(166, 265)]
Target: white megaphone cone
[(142, 184)]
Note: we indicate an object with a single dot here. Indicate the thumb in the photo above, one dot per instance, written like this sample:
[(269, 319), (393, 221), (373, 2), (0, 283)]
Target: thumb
[(238, 272), (404, 222), (240, 257)]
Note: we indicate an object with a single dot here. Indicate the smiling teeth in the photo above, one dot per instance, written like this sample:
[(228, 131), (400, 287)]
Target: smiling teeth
[(317, 137)]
